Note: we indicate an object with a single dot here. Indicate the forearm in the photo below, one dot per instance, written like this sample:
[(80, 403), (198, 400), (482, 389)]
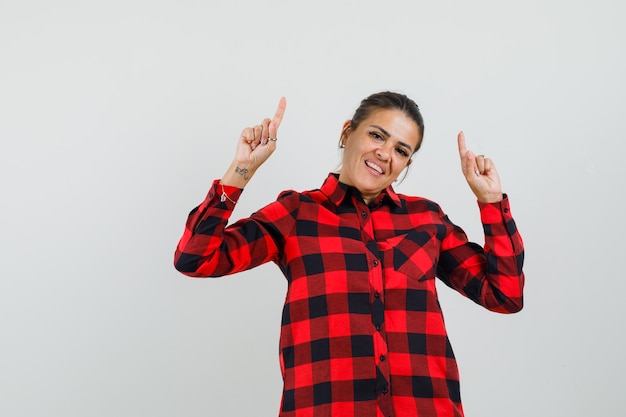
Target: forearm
[(504, 253), (238, 174), (202, 238), (491, 276)]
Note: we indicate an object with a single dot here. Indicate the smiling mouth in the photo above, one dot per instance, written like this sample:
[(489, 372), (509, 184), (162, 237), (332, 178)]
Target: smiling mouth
[(375, 167)]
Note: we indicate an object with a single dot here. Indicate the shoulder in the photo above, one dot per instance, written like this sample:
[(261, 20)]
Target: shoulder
[(288, 204), (292, 196), (292, 199), (287, 195), (418, 204)]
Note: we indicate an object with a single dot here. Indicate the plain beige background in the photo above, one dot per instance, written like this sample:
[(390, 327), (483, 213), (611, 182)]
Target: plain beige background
[(115, 116)]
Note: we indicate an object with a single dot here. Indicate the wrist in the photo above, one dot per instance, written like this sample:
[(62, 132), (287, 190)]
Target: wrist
[(238, 174), (490, 198)]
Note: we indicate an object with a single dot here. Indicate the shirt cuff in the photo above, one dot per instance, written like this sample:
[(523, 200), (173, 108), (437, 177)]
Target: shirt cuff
[(217, 191), (492, 213)]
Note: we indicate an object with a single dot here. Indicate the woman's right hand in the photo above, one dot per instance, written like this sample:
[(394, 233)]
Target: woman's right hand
[(254, 146)]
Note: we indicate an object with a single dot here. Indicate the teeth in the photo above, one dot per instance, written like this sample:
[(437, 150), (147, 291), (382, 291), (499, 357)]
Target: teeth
[(373, 166)]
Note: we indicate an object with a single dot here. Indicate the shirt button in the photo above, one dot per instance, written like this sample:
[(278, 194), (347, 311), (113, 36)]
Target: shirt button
[(382, 358), (375, 262), (378, 327), (364, 214), (377, 295), (506, 210), (385, 391), (211, 194)]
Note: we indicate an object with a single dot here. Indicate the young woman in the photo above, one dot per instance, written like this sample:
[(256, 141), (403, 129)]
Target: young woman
[(362, 331)]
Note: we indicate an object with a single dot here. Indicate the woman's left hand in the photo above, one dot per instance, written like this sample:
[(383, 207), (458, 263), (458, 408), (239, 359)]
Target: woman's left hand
[(480, 173)]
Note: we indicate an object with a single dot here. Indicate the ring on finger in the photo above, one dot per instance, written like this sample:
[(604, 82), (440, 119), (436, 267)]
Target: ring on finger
[(272, 139)]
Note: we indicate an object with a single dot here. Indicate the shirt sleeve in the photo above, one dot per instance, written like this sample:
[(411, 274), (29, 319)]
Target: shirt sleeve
[(209, 247), (492, 275)]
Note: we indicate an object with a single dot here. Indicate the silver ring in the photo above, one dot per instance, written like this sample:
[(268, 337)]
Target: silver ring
[(272, 139)]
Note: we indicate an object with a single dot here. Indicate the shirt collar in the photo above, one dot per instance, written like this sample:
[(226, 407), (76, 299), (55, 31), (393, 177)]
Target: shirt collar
[(337, 191)]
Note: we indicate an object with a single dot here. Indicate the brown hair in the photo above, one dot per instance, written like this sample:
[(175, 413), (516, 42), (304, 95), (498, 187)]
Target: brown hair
[(392, 101)]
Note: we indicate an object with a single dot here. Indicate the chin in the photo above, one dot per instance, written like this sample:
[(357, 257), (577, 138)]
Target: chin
[(378, 186)]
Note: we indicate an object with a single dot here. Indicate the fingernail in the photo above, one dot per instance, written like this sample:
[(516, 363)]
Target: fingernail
[(263, 141), (477, 172)]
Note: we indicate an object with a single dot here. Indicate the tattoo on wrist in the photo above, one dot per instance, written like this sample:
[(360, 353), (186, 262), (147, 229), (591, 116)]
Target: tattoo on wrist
[(242, 171)]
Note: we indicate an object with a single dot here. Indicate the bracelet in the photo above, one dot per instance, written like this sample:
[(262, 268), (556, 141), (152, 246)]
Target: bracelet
[(225, 196)]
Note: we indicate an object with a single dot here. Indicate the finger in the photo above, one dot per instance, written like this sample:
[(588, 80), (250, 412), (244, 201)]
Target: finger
[(462, 146), (468, 159), (265, 124), (469, 165), (480, 163), (489, 166), (278, 117), (256, 134), (247, 134), (258, 131)]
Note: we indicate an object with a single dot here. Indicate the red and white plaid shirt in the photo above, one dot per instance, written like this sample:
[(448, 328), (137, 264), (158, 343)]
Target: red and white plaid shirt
[(362, 331)]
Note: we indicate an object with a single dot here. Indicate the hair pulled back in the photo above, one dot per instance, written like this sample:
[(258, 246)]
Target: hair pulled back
[(390, 101)]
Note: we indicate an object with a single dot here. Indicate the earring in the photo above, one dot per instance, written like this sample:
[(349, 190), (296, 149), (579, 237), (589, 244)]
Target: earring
[(342, 138)]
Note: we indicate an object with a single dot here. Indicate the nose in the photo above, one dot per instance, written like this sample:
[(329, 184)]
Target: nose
[(383, 151)]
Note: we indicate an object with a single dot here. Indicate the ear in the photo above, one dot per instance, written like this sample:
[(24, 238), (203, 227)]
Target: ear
[(345, 132)]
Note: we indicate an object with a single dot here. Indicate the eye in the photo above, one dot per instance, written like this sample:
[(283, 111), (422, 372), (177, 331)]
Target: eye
[(377, 136), (402, 152)]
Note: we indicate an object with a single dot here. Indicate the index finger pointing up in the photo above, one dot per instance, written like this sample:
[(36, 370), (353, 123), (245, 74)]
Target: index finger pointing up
[(462, 146), (278, 117)]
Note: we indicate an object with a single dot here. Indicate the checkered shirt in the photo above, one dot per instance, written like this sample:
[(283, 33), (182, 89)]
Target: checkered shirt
[(362, 331)]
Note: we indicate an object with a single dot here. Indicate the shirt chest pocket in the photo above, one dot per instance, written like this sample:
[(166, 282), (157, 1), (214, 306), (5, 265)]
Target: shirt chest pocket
[(413, 256)]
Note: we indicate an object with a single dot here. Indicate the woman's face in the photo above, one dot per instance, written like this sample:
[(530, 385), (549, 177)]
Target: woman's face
[(377, 151)]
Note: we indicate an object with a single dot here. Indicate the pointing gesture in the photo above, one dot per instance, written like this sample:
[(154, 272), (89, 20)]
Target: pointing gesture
[(257, 143), (480, 173), (254, 147)]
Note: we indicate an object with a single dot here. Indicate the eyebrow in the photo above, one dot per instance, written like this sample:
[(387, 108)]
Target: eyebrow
[(388, 135)]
